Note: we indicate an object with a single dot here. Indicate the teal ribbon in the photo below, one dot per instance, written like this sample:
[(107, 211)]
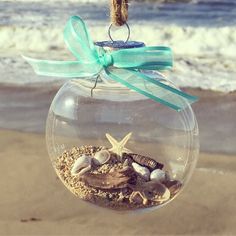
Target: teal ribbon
[(123, 66)]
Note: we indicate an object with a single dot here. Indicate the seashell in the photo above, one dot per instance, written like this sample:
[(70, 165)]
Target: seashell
[(116, 179), (149, 191), (141, 170), (162, 193), (146, 161), (174, 186), (158, 175), (101, 157), (81, 165)]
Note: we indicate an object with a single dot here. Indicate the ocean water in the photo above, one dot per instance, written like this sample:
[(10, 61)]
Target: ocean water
[(201, 33)]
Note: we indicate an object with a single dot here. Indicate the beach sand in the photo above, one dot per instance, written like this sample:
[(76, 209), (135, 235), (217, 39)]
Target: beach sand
[(34, 201)]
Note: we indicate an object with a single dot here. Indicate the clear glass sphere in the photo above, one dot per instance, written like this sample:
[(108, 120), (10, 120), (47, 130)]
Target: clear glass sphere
[(116, 148)]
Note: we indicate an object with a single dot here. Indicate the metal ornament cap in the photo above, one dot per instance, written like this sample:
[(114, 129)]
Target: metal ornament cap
[(116, 45)]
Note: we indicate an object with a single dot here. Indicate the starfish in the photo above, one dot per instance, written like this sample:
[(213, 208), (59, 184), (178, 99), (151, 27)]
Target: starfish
[(119, 147)]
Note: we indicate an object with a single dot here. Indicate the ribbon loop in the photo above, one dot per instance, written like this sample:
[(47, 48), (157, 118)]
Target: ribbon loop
[(78, 40), (121, 65)]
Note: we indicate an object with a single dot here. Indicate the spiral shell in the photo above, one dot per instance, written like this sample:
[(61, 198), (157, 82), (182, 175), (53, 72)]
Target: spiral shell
[(146, 161)]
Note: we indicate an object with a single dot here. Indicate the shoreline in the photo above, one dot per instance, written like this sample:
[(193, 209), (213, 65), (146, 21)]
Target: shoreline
[(25, 108)]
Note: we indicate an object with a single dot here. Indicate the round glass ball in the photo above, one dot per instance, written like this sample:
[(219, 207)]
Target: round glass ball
[(118, 149)]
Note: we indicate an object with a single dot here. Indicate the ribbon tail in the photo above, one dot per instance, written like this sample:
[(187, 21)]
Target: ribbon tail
[(152, 88), (67, 69)]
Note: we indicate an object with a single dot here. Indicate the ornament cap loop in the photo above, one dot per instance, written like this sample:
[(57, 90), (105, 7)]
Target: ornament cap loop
[(128, 31)]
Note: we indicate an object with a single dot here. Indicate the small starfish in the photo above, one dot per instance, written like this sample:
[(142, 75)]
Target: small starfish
[(119, 147)]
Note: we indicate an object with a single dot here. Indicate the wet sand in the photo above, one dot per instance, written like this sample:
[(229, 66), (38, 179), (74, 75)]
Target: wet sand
[(25, 108), (34, 201)]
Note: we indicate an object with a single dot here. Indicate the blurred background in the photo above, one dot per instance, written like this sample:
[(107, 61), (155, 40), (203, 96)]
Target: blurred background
[(202, 34)]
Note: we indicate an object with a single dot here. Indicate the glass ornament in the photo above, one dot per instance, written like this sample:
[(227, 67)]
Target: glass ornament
[(118, 149)]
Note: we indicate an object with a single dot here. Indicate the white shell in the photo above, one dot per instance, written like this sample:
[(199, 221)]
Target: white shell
[(158, 175), (101, 157), (141, 170), (81, 165), (166, 195)]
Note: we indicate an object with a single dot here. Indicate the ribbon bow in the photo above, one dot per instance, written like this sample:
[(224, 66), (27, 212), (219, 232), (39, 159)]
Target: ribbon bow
[(122, 65)]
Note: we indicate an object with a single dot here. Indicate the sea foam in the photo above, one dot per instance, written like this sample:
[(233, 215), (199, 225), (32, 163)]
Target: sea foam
[(201, 34)]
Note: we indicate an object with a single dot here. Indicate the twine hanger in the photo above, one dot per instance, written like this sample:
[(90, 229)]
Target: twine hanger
[(119, 12)]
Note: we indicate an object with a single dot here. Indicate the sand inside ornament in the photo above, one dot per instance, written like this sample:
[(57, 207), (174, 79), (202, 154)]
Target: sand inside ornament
[(115, 178)]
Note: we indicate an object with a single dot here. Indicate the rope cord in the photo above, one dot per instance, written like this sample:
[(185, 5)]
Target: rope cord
[(119, 12)]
